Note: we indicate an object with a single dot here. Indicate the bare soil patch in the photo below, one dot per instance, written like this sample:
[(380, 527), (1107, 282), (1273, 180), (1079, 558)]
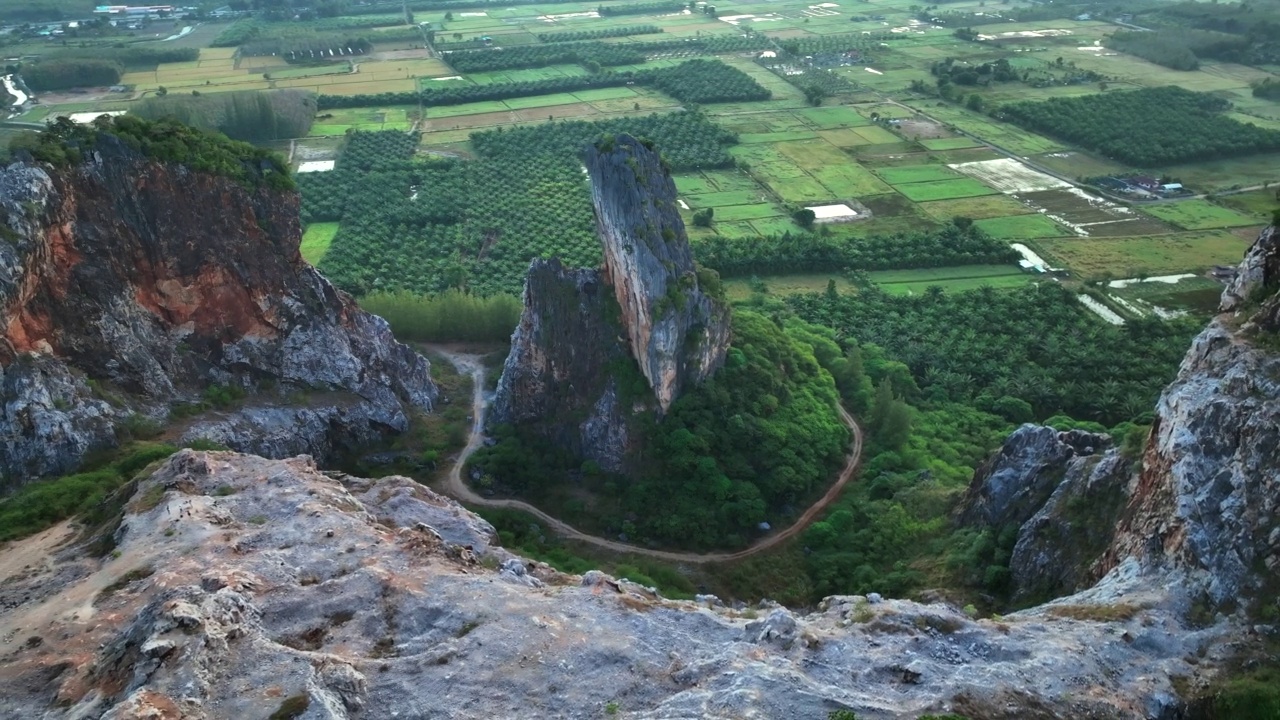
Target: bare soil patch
[(923, 129)]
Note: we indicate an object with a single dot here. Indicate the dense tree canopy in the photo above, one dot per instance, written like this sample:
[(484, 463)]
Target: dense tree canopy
[(760, 436), (598, 34), (1148, 127), (606, 54), (804, 252), (428, 226), (70, 73), (1037, 344)]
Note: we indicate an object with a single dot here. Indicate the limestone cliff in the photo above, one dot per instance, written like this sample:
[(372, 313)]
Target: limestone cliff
[(678, 333), (565, 356), (1199, 509), (584, 333), (128, 284), (1207, 502)]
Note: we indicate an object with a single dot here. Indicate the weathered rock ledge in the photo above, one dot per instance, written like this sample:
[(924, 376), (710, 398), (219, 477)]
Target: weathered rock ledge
[(237, 583)]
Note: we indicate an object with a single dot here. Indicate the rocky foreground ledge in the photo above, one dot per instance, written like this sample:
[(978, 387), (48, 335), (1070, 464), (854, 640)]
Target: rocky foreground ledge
[(239, 587)]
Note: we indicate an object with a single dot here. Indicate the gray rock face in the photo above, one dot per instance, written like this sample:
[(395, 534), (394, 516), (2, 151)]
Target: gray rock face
[(127, 285), (239, 582), (677, 332), (1015, 483), (559, 380), (584, 334), (1208, 498), (1207, 503), (1063, 492)]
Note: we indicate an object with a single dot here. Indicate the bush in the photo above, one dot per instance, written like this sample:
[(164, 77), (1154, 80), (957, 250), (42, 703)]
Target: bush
[(449, 316), (165, 140), (38, 505)]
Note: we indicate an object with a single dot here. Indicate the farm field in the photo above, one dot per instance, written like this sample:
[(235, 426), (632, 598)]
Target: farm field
[(952, 279), (1199, 215), (914, 159), (1021, 227), (1117, 257)]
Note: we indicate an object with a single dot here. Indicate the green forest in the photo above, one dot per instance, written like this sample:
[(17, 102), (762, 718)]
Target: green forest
[(1146, 128), (758, 438), (70, 73), (248, 115)]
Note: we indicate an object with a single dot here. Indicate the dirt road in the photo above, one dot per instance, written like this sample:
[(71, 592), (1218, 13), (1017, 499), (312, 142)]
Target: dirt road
[(472, 365)]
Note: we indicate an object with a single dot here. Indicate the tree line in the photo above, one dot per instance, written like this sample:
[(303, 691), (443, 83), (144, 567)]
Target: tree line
[(603, 54), (695, 81), (1145, 128), (250, 115), (641, 8), (954, 244), (62, 74), (580, 35)]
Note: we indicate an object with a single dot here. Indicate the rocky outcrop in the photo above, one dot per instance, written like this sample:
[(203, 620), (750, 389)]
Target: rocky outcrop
[(1061, 492), (566, 356), (587, 335), (1207, 502), (1200, 509), (678, 333), (239, 586), (127, 285)]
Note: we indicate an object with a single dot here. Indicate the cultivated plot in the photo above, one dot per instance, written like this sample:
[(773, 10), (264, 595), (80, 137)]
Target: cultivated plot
[(1145, 255), (1199, 215)]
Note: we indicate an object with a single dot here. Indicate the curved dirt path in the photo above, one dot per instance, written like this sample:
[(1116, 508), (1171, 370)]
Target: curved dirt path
[(472, 365)]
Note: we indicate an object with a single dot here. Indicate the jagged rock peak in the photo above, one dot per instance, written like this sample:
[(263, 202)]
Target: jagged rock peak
[(677, 331), (128, 284)]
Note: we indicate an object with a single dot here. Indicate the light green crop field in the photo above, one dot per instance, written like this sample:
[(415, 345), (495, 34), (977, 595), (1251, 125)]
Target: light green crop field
[(728, 197), (944, 189), (1119, 257), (916, 174), (783, 285), (955, 143), (748, 212), (1199, 215), (316, 241), (953, 279), (1021, 227), (1255, 202)]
